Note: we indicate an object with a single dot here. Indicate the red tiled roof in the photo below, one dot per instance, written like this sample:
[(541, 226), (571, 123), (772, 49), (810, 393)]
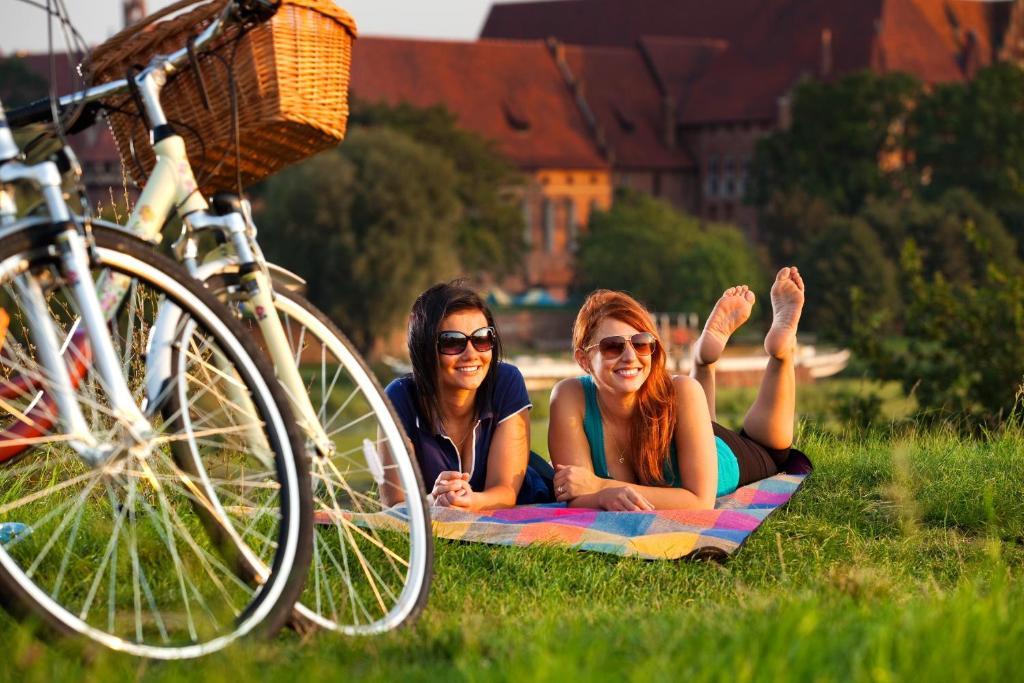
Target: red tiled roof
[(766, 45), (930, 39), (622, 92), (508, 91)]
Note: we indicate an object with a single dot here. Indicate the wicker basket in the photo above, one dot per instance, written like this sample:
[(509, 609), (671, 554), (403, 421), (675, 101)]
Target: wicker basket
[(291, 79)]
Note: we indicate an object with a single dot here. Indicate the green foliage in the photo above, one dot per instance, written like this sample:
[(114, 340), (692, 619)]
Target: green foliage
[(962, 349), (971, 135), (789, 222), (839, 133), (18, 84), (369, 225), (955, 235), (490, 235), (664, 258), (844, 262)]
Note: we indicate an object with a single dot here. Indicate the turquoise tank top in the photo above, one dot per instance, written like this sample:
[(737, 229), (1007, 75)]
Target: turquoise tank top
[(728, 468)]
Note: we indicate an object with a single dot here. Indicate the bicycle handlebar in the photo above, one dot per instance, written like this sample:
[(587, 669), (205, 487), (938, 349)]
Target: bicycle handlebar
[(39, 111)]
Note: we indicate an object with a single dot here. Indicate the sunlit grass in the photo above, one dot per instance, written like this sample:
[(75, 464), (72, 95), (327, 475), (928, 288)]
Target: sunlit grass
[(900, 559)]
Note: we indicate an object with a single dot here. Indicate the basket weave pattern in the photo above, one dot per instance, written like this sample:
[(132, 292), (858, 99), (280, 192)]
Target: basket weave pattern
[(291, 79)]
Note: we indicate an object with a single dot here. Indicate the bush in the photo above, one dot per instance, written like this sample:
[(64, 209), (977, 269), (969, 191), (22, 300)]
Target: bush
[(962, 349), (664, 258)]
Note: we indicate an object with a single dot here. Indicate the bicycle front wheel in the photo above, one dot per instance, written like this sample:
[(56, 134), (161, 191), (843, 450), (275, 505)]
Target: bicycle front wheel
[(175, 543), (372, 545)]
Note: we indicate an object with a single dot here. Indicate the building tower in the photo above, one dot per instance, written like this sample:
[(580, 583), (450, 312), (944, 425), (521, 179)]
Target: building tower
[(134, 11)]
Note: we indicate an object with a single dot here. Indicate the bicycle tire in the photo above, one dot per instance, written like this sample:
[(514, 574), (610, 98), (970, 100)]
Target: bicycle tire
[(306, 325), (174, 612)]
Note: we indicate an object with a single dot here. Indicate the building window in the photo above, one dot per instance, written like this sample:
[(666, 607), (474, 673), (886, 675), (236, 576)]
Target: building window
[(728, 171), (527, 223), (571, 224), (712, 179), (548, 209)]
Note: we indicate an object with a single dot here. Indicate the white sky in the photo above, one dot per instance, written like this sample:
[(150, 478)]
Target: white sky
[(23, 27)]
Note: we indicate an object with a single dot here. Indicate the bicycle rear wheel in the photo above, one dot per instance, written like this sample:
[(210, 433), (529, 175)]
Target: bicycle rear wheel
[(123, 553), (372, 555)]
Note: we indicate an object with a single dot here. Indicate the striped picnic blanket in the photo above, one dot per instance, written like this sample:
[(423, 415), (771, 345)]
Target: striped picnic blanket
[(658, 535)]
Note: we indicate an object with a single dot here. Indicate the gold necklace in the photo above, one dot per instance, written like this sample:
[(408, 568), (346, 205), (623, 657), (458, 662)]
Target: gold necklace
[(622, 452), (460, 442)]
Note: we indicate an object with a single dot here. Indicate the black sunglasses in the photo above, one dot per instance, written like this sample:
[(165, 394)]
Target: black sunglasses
[(643, 343), (452, 342)]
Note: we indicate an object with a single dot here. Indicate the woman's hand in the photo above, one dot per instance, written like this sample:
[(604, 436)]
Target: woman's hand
[(623, 499), (572, 481), (449, 487)]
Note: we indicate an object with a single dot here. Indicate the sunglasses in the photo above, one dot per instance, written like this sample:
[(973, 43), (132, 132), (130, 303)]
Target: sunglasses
[(452, 343), (643, 343)]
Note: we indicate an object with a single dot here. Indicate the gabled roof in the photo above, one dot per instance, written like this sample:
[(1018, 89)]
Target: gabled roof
[(623, 93), (508, 91), (730, 60)]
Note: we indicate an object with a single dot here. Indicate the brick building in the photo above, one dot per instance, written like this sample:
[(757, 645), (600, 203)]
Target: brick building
[(665, 96), (726, 69), (556, 112)]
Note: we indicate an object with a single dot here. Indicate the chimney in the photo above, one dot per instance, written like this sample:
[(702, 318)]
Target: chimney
[(784, 111), (668, 109), (826, 52), (134, 11)]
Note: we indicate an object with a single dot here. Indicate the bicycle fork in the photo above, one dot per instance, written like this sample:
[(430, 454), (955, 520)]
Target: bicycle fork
[(74, 266), (258, 293)]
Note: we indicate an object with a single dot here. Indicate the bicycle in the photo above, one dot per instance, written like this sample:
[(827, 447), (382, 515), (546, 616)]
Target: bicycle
[(372, 560), (127, 489), (147, 467)]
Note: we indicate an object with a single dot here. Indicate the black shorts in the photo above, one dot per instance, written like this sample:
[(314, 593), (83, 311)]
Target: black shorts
[(756, 462)]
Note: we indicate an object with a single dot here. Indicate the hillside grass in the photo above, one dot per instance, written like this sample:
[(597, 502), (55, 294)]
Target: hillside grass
[(900, 559)]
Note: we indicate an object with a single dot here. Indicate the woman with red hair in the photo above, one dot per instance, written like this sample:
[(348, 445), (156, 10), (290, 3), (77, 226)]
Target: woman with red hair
[(630, 436)]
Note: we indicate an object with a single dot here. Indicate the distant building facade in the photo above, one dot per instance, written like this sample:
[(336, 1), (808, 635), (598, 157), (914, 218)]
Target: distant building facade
[(669, 97)]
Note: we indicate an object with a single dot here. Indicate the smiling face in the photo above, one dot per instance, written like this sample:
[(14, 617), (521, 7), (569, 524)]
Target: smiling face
[(624, 374), (467, 370)]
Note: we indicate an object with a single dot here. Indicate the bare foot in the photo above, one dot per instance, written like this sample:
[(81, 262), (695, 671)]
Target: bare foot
[(731, 311), (787, 304)]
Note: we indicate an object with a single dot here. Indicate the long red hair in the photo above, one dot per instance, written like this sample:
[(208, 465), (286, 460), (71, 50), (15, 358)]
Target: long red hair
[(653, 423)]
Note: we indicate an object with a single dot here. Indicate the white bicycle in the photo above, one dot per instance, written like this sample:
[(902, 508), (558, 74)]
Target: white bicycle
[(372, 558)]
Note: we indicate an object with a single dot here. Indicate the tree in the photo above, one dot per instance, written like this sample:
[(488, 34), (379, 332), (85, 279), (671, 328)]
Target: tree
[(843, 265), (962, 349), (490, 235), (955, 236), (789, 222), (720, 257), (18, 84), (971, 135), (840, 134), (369, 224), (664, 258)]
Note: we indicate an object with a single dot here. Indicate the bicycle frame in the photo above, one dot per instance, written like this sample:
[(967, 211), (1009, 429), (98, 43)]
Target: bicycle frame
[(73, 259), (171, 187)]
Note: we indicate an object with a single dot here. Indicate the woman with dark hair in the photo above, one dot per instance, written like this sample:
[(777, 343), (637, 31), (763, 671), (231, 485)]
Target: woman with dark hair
[(629, 436), (465, 411)]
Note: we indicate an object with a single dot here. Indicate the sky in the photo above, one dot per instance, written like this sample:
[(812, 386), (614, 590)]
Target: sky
[(23, 27)]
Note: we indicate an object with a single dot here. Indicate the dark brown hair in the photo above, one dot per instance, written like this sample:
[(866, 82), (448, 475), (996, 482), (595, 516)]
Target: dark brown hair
[(429, 309)]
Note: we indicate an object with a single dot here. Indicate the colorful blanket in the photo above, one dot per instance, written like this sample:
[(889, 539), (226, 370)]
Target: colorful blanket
[(658, 535)]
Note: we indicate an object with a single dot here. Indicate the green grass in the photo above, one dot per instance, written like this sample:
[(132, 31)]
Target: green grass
[(901, 559)]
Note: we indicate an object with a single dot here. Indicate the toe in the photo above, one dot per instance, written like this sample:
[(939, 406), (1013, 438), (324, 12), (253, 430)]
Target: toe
[(798, 279), (782, 274), (749, 296)]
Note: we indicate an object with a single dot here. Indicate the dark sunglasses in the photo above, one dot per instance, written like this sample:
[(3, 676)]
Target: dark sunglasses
[(452, 343), (643, 343)]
